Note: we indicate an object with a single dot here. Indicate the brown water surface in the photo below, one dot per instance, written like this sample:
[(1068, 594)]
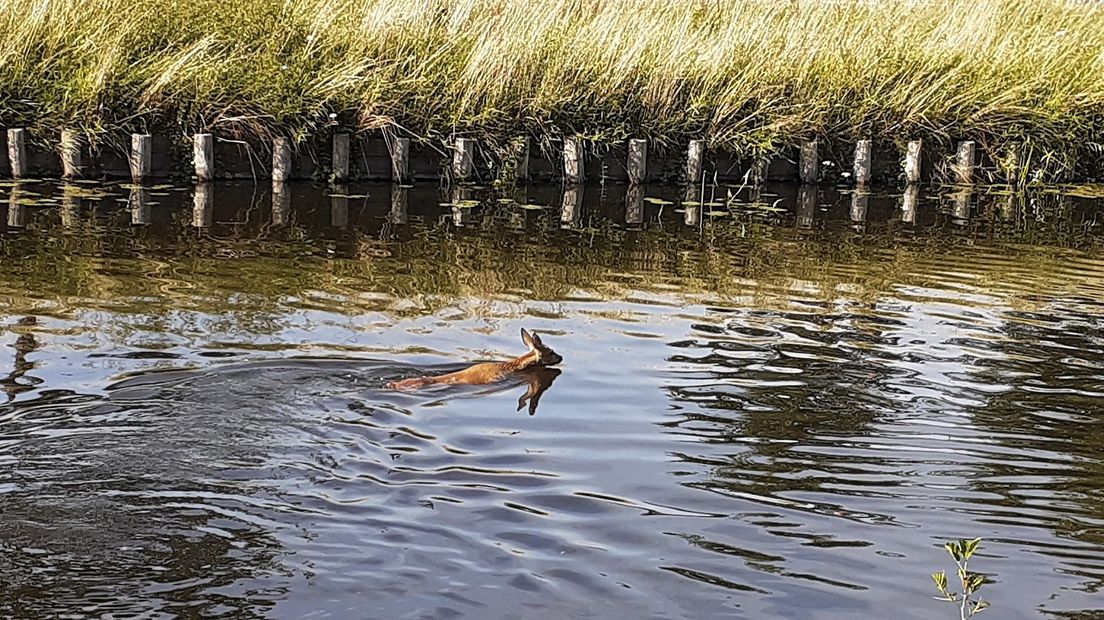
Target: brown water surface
[(778, 406)]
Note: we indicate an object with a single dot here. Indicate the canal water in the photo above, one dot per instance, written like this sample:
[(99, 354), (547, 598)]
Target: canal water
[(773, 404)]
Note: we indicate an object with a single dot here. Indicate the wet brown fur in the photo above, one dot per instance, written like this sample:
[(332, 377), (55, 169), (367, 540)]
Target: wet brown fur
[(538, 356)]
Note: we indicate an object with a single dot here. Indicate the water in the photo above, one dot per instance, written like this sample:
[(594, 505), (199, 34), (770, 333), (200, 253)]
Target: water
[(778, 410)]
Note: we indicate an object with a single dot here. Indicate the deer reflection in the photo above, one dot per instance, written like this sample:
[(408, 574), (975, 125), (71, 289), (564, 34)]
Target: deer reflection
[(537, 382), (24, 344)]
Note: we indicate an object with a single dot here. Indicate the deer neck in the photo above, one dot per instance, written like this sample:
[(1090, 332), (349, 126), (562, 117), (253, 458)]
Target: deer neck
[(521, 362)]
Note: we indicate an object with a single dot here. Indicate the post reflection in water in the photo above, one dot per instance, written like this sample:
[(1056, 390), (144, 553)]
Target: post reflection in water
[(203, 205), (571, 212), (17, 211), (399, 203), (910, 202), (70, 205), (138, 202), (960, 205), (860, 201), (749, 421), (339, 206), (692, 206), (281, 203), (806, 206), (462, 203), (634, 205)]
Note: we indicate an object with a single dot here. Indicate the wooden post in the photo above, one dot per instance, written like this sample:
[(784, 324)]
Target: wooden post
[(281, 160), (139, 206), (809, 162), (909, 204), (463, 159), (203, 157), (521, 149), (281, 203), (964, 162), (400, 160), (861, 170), (70, 155), (572, 206), (912, 161), (340, 157), (573, 160), (695, 155), (638, 161), (339, 206), (399, 200), (17, 152), (141, 156), (203, 206)]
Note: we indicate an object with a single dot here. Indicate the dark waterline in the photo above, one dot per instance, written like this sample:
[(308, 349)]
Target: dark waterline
[(775, 406)]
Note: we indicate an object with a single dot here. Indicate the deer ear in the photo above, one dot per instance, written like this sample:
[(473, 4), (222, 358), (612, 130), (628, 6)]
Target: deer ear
[(529, 340)]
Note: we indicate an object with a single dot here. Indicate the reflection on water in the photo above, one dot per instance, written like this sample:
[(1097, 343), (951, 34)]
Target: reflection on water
[(775, 403)]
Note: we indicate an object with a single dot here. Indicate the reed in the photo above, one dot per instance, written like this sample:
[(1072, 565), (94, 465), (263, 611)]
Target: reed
[(744, 74)]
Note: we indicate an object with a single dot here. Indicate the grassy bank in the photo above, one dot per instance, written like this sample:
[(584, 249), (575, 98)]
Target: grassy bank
[(745, 74)]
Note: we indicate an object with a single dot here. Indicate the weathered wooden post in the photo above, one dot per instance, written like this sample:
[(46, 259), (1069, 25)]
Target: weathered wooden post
[(203, 157), (139, 206), (965, 159), (281, 160), (572, 208), (809, 162), (634, 205), (400, 160), (141, 157), (862, 166), (340, 157), (573, 160), (70, 152), (281, 204), (399, 200), (695, 156), (339, 206), (912, 161), (17, 152), (463, 160), (203, 206), (521, 162), (910, 202), (637, 165)]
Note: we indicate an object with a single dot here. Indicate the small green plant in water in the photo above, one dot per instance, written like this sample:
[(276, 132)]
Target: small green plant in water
[(968, 601)]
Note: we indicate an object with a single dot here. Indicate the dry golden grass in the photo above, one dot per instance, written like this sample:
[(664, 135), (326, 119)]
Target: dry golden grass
[(746, 74)]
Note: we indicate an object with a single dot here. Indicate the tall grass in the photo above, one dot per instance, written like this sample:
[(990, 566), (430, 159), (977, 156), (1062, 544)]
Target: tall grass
[(742, 73)]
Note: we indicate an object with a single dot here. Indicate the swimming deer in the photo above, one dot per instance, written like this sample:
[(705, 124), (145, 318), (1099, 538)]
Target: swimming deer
[(538, 357)]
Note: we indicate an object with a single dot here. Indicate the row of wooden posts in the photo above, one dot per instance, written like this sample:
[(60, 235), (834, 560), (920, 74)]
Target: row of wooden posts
[(463, 166)]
